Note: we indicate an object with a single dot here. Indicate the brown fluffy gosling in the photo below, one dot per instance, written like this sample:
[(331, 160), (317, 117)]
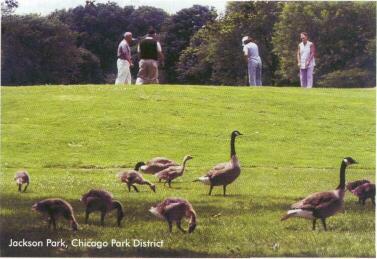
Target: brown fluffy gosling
[(101, 200), (55, 208), (174, 210), (133, 177)]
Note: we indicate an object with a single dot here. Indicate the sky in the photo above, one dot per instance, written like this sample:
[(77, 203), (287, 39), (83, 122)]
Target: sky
[(45, 7)]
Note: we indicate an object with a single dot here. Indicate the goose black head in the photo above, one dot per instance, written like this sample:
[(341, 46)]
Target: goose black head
[(236, 133), (192, 228), (349, 161), (138, 165)]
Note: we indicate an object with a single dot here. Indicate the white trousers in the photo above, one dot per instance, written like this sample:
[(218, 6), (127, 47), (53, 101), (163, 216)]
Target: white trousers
[(124, 73), (306, 77)]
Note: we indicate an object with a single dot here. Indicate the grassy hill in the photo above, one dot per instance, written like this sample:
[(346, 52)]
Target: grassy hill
[(73, 138)]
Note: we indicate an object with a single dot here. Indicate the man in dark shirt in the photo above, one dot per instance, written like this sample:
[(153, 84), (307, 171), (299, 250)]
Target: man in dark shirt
[(150, 53)]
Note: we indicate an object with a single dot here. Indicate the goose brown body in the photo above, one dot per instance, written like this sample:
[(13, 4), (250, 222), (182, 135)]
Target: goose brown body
[(54, 208), (101, 200), (365, 191), (224, 173), (174, 210), (157, 164), (21, 178), (322, 205), (173, 172), (133, 177)]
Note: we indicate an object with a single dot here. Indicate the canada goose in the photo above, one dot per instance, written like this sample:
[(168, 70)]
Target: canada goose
[(54, 208), (101, 200), (322, 205), (174, 210), (173, 172), (224, 173), (365, 191), (353, 185), (21, 178), (134, 177), (157, 164)]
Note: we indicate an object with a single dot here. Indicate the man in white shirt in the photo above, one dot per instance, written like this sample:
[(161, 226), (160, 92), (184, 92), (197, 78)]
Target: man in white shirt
[(254, 62), (150, 53), (124, 61), (305, 60)]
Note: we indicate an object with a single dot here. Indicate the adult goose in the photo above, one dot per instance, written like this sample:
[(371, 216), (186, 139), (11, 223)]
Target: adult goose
[(224, 173), (173, 172), (156, 165), (133, 177), (322, 205)]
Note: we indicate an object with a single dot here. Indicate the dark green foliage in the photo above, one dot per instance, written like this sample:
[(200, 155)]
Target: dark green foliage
[(355, 77), (341, 31), (178, 31), (37, 50)]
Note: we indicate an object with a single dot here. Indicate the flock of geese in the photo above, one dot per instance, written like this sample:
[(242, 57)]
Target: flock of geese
[(317, 206)]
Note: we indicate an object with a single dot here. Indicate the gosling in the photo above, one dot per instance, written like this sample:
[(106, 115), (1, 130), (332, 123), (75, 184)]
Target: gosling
[(101, 200), (55, 208), (133, 177), (174, 210), (21, 178)]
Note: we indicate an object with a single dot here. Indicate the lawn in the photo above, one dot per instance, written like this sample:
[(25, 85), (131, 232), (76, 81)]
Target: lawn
[(74, 138)]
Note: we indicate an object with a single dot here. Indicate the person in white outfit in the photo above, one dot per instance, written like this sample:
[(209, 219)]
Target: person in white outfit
[(306, 62), (124, 61), (254, 62)]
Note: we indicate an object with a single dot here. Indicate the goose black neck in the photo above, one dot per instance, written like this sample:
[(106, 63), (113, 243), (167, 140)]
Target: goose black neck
[(232, 146), (120, 212), (342, 176)]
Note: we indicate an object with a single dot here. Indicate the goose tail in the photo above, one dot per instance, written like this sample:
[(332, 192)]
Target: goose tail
[(155, 212), (203, 179), (298, 213)]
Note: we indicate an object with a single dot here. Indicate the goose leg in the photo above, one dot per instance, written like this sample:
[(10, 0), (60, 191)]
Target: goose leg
[(170, 226), (169, 183), (103, 213), (373, 201), (26, 187), (86, 216), (53, 222), (224, 189), (133, 186), (19, 187), (129, 187), (314, 223), (159, 180), (324, 223), (363, 201), (180, 227), (49, 223), (210, 189)]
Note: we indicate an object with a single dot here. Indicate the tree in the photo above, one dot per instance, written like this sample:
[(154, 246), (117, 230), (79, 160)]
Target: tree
[(8, 6), (37, 50), (342, 32), (177, 32)]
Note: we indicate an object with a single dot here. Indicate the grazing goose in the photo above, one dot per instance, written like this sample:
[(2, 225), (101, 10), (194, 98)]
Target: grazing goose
[(224, 173), (157, 164), (174, 210), (322, 205), (55, 208), (353, 185), (21, 178), (365, 191), (173, 172), (133, 177), (100, 200)]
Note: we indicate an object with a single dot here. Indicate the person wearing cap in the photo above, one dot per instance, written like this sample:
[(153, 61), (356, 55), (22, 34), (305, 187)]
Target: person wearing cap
[(124, 61), (254, 62), (305, 60), (150, 52)]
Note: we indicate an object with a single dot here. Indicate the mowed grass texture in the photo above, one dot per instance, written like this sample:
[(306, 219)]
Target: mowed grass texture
[(74, 138)]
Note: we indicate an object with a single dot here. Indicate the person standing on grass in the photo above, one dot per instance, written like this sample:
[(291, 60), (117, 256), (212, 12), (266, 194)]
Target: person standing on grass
[(305, 59), (124, 61), (254, 62), (150, 52)]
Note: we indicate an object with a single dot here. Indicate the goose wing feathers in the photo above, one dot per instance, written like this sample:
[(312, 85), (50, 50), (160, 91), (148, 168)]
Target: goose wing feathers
[(162, 161), (316, 201), (219, 169), (169, 172), (130, 177)]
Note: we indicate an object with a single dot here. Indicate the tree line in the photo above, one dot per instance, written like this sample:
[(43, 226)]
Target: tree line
[(78, 45)]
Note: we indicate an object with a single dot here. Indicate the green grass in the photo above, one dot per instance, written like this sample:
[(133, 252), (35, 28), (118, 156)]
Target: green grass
[(73, 138)]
